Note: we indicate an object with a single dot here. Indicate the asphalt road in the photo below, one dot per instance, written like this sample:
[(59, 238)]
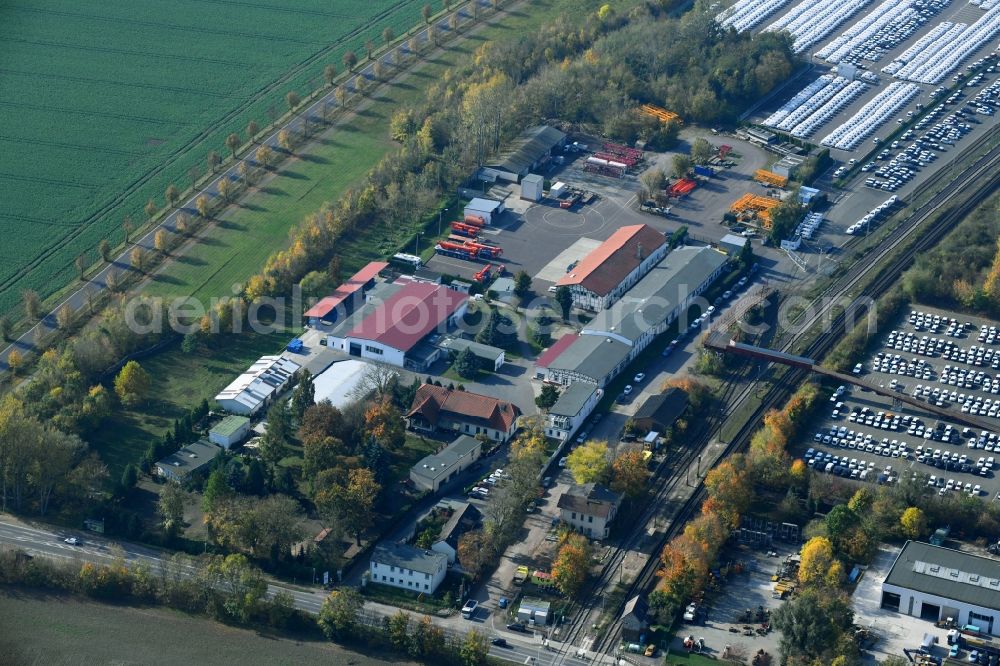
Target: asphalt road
[(96, 285), (44, 542)]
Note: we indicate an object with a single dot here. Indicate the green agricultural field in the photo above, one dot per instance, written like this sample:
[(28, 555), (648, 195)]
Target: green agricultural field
[(103, 104), (39, 628)]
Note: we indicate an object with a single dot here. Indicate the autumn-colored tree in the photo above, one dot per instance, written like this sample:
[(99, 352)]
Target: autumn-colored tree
[(225, 188), (132, 384), (64, 317), (798, 472), (340, 96), (137, 257), (285, 140), (729, 485), (629, 473), (352, 503), (292, 99), (913, 522), (572, 563), (161, 241), (360, 84), (201, 205), (233, 143), (378, 70), (15, 361), (473, 552), (182, 223), (263, 156), (150, 209), (817, 558), (384, 423), (453, 24), (589, 462), (413, 45), (252, 129)]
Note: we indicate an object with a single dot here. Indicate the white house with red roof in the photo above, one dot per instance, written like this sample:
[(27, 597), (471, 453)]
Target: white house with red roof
[(397, 323), (438, 408), (604, 275)]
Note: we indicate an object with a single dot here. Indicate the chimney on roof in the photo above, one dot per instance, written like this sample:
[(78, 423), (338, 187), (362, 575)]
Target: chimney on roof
[(638, 251)]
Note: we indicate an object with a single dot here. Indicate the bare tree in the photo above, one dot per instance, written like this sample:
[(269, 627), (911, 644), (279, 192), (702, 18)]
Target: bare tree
[(388, 35), (453, 23), (350, 60), (104, 249), (32, 303), (150, 209), (369, 48), (293, 100), (233, 143), (194, 173), (377, 380), (378, 70), (426, 12), (252, 129), (81, 264), (127, 227), (432, 34), (111, 281), (172, 195), (329, 74), (340, 94), (213, 160), (413, 46)]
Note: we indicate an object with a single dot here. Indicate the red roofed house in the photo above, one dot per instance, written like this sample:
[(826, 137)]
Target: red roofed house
[(397, 322), (344, 298), (438, 408), (614, 266)]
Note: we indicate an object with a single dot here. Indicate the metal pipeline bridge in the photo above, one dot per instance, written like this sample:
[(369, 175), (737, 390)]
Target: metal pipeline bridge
[(720, 342)]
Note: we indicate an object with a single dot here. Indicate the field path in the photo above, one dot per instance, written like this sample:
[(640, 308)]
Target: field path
[(95, 287)]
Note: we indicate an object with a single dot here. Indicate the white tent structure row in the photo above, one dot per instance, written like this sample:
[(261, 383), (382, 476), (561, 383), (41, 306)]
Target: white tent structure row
[(951, 49), (812, 104), (872, 115)]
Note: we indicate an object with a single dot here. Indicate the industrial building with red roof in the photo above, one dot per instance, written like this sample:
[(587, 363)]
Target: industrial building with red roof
[(398, 323), (340, 303), (438, 408), (600, 278)]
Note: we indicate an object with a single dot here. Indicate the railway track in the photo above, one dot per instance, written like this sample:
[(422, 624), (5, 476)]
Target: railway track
[(983, 176)]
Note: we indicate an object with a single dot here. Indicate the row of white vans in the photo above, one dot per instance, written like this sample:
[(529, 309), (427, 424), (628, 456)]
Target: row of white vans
[(815, 105), (881, 30), (812, 20), (871, 116), (747, 14), (942, 50), (871, 219)]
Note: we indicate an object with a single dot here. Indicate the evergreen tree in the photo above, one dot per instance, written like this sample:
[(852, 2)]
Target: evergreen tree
[(278, 434), (304, 395), (466, 364)]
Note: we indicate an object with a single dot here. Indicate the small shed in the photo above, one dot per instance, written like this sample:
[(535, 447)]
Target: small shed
[(533, 611), (488, 209), (229, 431), (532, 186), (633, 620), (733, 244)]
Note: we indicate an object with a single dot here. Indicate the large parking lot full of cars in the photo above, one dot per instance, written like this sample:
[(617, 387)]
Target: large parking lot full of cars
[(948, 361)]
